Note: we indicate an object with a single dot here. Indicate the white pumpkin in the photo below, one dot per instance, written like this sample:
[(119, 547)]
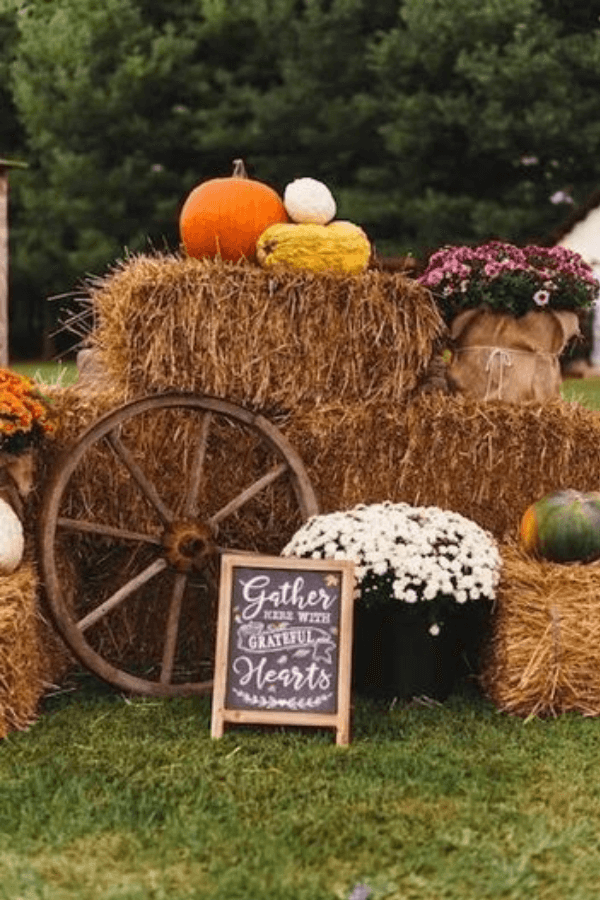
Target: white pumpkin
[(309, 202), (12, 540)]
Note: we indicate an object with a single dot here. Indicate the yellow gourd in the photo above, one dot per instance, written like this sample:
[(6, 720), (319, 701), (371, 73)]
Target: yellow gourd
[(338, 247)]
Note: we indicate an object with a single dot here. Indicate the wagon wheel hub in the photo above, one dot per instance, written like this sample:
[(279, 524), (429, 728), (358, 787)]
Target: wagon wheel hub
[(189, 544)]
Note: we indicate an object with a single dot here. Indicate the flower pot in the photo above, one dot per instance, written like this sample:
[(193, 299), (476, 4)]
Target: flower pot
[(395, 655), (498, 356)]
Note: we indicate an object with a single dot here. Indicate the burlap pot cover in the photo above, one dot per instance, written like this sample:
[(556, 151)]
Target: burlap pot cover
[(499, 357)]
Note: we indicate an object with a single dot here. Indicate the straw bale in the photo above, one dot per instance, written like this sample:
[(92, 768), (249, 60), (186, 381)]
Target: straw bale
[(30, 656), (71, 410), (352, 452), (543, 657), (491, 460), (267, 339)]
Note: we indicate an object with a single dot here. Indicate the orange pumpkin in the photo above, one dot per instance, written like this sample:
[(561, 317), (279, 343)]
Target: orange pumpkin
[(226, 216)]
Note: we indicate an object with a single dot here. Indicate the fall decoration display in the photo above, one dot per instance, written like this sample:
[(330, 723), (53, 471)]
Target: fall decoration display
[(563, 526), (225, 216), (308, 201), (337, 362), (12, 541), (338, 247), (295, 346)]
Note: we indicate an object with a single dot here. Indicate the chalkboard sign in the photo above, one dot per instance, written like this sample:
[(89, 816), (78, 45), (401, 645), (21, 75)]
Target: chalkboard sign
[(284, 643)]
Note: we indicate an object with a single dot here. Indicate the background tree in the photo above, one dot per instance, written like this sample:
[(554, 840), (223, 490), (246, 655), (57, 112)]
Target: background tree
[(126, 106), (489, 114), (431, 120), (12, 138)]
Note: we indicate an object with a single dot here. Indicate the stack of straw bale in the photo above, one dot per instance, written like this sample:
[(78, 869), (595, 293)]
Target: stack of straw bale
[(338, 363), (333, 360), (544, 654)]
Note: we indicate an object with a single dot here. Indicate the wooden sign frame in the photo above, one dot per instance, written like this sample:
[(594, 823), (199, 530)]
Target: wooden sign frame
[(325, 637)]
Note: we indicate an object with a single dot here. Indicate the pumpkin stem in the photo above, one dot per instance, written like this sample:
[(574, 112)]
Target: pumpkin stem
[(239, 169)]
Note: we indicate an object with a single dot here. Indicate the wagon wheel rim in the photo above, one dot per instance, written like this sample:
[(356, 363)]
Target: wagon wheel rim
[(186, 545)]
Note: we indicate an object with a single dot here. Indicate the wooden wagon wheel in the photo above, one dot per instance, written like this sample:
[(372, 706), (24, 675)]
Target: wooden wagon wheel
[(133, 523)]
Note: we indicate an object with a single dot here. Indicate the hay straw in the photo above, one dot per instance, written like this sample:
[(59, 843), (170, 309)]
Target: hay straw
[(544, 654), (267, 339), (352, 451), (490, 460), (71, 410), (30, 656)]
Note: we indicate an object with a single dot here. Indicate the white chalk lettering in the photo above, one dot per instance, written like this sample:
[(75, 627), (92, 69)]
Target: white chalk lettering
[(278, 615), (314, 618), (256, 674), (258, 591)]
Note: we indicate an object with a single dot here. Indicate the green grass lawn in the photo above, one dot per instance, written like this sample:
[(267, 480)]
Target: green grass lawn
[(583, 390), (63, 373), (114, 798)]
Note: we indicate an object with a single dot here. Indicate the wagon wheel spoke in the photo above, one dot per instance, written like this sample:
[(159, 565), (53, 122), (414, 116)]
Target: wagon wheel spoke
[(115, 599), (197, 468), (139, 477), (107, 530), (170, 647), (247, 494)]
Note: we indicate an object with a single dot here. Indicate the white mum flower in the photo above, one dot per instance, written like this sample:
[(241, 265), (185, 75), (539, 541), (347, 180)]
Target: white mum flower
[(398, 588), (430, 591), (427, 551)]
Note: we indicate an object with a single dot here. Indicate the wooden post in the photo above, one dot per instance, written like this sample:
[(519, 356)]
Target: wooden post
[(5, 165)]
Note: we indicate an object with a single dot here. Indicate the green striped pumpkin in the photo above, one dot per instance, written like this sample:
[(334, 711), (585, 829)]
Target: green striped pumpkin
[(564, 526)]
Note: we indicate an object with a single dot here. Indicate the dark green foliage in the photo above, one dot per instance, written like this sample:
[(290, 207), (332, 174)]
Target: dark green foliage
[(432, 121)]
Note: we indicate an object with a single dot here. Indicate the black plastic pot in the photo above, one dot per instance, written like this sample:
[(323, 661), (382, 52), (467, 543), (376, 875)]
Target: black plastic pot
[(395, 655)]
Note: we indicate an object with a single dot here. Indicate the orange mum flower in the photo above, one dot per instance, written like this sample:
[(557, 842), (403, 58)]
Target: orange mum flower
[(21, 406)]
